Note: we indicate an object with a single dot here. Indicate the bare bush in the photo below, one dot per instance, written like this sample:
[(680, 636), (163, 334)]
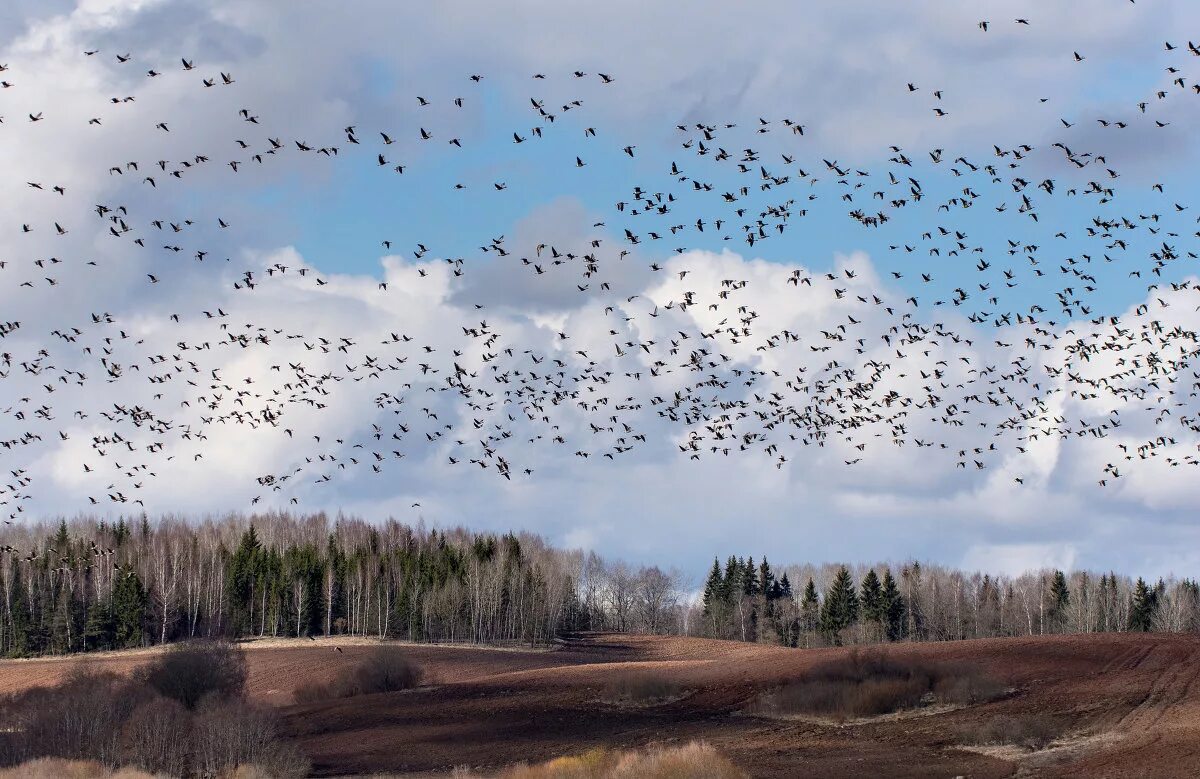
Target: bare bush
[(157, 737), (965, 684), (114, 721), (78, 720), (1030, 731), (231, 734), (188, 672), (642, 687), (385, 669), (866, 684)]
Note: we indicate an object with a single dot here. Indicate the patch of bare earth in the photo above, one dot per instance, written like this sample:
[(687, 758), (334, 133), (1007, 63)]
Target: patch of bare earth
[(1131, 703)]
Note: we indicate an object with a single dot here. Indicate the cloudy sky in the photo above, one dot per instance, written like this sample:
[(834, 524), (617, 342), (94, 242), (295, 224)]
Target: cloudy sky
[(154, 372)]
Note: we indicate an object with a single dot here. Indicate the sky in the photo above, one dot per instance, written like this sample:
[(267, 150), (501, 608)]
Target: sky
[(411, 253)]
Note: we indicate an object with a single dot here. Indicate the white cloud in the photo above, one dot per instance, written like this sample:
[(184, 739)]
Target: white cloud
[(651, 500)]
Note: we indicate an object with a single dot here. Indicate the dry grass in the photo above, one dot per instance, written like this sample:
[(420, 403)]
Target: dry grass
[(695, 760), (56, 768), (870, 684)]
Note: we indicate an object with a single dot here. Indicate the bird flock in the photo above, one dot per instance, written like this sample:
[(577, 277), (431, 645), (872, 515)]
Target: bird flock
[(982, 335)]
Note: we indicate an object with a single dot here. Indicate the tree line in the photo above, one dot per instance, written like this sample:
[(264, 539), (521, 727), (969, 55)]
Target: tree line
[(93, 584), (746, 601)]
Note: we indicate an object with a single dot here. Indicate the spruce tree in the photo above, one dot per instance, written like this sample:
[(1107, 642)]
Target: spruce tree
[(749, 578), (766, 580), (893, 607), (1141, 611), (244, 574), (24, 632), (712, 589), (716, 601), (129, 610), (840, 609), (1060, 598), (809, 607), (872, 598), (732, 583), (99, 632)]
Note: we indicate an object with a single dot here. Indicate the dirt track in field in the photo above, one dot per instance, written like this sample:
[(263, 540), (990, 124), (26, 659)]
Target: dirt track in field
[(1133, 702)]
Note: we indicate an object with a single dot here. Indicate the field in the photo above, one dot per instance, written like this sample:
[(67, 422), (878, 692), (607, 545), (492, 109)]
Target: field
[(1126, 705)]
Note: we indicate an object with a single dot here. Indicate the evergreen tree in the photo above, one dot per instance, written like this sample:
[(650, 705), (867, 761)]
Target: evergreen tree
[(61, 542), (749, 578), (809, 609), (1060, 598), (766, 580), (99, 633), (785, 587), (24, 635), (732, 581), (893, 607), (129, 610), (840, 609), (713, 589), (245, 575), (872, 598), (1141, 611)]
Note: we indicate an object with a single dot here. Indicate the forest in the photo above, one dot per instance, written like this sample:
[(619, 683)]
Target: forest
[(920, 602), (91, 584)]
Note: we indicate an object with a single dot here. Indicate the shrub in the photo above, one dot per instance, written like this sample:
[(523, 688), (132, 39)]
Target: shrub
[(386, 669), (866, 684), (78, 720), (965, 684), (234, 735), (1031, 731), (645, 687), (101, 721), (190, 670), (157, 737)]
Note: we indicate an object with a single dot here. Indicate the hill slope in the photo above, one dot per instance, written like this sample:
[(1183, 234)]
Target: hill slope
[(1132, 701)]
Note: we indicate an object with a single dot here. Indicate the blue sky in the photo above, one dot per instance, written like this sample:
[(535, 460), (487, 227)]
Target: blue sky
[(840, 69)]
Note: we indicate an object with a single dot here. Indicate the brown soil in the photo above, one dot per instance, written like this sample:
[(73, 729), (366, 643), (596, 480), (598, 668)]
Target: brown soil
[(1132, 699)]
